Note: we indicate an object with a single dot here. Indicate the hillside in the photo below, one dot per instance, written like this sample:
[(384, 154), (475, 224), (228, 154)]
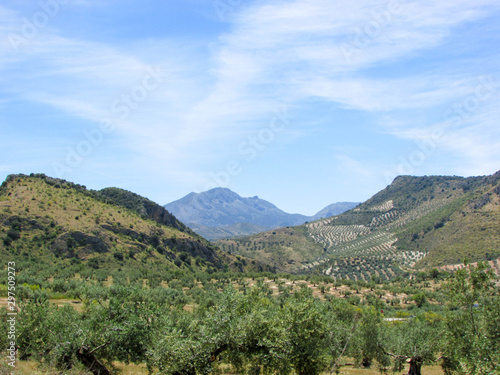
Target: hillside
[(50, 226), (415, 222), (286, 248), (239, 229), (221, 213)]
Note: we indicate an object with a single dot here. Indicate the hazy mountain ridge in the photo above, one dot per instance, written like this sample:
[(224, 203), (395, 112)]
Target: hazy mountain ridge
[(333, 210), (220, 212), (414, 222), (235, 230)]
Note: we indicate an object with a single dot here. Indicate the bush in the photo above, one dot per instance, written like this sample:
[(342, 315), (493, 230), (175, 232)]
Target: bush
[(420, 299), (118, 256), (13, 234), (93, 263)]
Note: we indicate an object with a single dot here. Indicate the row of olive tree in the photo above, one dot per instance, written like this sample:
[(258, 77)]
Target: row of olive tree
[(299, 333)]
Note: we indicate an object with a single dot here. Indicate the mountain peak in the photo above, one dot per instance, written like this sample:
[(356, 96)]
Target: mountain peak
[(219, 192), (221, 208)]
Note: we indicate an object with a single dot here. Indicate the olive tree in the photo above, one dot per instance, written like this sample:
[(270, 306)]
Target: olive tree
[(416, 341), (473, 325), (365, 344), (274, 336)]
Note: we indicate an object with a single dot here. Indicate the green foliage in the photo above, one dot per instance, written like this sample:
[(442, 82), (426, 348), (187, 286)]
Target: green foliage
[(139, 205), (115, 230), (420, 299), (473, 328), (249, 327), (421, 337), (4, 327), (189, 329), (47, 332), (169, 300), (415, 222), (13, 234), (365, 346)]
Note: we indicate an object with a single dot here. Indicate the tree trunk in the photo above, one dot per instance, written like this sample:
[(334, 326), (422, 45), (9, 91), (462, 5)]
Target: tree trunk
[(415, 365), (366, 363), (91, 362)]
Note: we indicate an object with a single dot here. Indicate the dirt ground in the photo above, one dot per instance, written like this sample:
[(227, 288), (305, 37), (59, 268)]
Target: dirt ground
[(33, 368)]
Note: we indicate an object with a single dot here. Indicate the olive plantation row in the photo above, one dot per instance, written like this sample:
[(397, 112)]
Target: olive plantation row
[(188, 327)]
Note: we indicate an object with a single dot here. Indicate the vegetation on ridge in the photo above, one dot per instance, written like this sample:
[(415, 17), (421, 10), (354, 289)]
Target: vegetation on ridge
[(56, 226), (415, 222)]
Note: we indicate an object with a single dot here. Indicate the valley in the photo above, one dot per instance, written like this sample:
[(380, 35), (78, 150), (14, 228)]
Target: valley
[(262, 187), (144, 292)]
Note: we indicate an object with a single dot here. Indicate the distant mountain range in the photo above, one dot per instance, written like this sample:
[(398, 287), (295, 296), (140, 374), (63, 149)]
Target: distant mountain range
[(333, 210), (220, 213)]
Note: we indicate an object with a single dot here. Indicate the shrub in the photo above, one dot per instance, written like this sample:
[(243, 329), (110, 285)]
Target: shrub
[(118, 256), (14, 234)]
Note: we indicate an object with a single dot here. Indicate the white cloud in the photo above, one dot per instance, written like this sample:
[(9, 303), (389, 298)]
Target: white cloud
[(295, 52), (276, 52)]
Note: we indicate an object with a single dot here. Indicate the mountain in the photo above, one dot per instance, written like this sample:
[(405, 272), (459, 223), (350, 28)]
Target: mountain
[(235, 230), (414, 223), (333, 210), (220, 213), (55, 226)]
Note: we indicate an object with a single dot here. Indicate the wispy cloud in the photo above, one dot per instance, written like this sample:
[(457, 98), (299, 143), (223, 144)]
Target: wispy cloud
[(296, 51), (372, 57)]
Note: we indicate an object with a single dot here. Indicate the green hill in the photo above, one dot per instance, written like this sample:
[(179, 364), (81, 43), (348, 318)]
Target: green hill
[(285, 248), (53, 227), (416, 222)]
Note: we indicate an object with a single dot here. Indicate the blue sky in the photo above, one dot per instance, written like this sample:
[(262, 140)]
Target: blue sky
[(301, 102)]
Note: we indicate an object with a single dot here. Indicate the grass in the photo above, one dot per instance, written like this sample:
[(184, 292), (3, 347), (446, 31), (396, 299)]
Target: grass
[(426, 370), (35, 368), (34, 198)]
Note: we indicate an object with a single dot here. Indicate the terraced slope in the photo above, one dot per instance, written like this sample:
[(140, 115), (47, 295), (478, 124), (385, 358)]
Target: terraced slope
[(414, 222), (284, 248)]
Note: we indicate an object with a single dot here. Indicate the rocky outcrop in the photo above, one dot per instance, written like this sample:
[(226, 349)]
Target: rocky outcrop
[(78, 244)]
